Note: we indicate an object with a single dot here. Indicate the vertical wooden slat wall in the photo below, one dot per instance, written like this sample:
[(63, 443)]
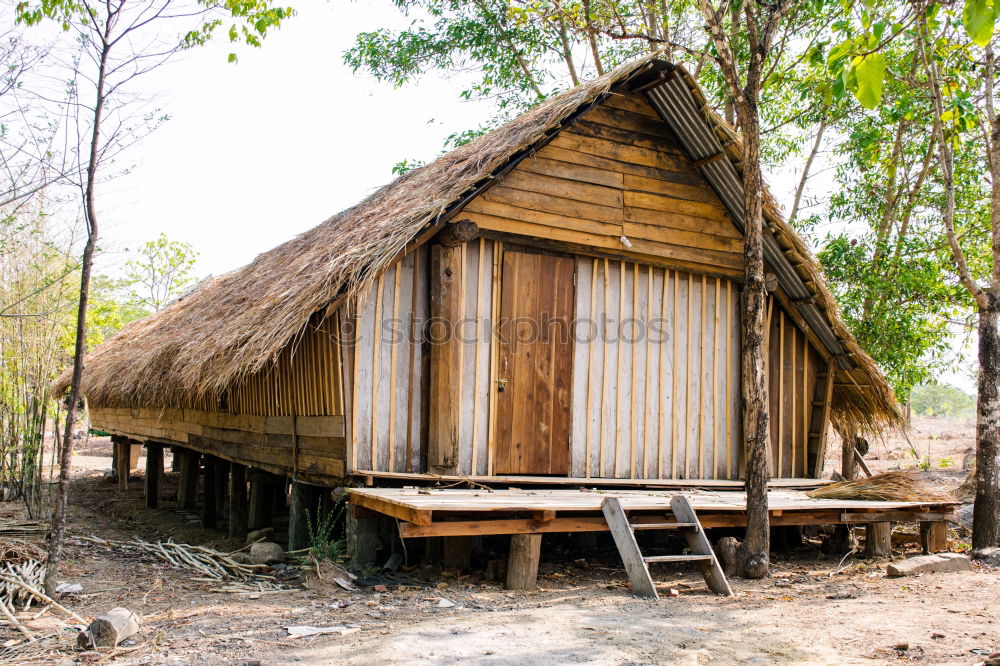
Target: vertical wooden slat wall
[(792, 386), (304, 381), (654, 363), (385, 413), (389, 375)]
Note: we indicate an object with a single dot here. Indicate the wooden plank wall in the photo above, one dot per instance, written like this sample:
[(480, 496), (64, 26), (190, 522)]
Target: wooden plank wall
[(305, 380), (792, 369), (616, 171), (312, 447), (655, 387)]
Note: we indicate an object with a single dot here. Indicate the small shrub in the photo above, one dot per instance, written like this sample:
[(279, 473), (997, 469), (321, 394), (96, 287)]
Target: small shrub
[(323, 544)]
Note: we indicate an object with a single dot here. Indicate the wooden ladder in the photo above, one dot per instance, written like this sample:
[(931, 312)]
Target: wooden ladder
[(637, 565)]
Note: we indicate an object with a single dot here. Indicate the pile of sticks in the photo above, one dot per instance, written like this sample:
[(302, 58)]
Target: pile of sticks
[(30, 572), (23, 528), (7, 615), (213, 565)]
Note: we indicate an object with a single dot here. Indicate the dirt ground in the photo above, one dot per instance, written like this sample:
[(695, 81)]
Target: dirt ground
[(813, 610)]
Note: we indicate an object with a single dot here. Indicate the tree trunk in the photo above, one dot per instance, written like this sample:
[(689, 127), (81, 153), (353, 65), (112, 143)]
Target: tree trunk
[(58, 533), (754, 549), (984, 516)]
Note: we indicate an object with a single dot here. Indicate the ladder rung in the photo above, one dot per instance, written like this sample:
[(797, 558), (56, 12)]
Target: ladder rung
[(676, 558), (662, 526)]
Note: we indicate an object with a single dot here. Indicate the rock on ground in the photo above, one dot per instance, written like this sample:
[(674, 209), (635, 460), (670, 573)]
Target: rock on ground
[(988, 556), (942, 562), (266, 552), (265, 533)]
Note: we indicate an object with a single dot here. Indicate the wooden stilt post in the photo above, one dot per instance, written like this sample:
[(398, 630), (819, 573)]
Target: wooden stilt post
[(134, 449), (221, 469), (187, 484), (121, 460), (433, 550), (457, 552), (209, 505), (363, 541), (238, 501), (305, 497), (522, 562), (175, 461), (154, 474), (261, 504), (934, 536), (785, 538), (878, 539), (279, 497)]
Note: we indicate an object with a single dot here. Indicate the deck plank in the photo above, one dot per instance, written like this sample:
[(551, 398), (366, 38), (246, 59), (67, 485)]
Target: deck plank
[(422, 500)]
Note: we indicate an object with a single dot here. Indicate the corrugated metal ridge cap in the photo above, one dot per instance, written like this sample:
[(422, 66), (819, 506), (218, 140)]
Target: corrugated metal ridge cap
[(684, 110)]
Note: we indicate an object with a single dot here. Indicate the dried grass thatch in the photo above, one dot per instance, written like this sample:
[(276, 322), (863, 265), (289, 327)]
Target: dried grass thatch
[(902, 485), (235, 324)]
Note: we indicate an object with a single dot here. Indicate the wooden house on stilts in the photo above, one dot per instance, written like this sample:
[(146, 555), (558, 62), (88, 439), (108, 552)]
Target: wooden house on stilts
[(555, 303)]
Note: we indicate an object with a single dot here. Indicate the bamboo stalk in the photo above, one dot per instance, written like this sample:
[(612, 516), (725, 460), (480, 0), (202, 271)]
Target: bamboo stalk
[(621, 383), (687, 381), (590, 368), (604, 368), (476, 373), (661, 430), (397, 273), (701, 378), (673, 385), (631, 349), (376, 348), (717, 340), (649, 376), (461, 356), (494, 351), (730, 463), (781, 392), (412, 391), (805, 406), (794, 402)]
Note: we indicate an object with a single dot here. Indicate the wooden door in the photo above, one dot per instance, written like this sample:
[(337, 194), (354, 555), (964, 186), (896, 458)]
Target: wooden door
[(535, 364)]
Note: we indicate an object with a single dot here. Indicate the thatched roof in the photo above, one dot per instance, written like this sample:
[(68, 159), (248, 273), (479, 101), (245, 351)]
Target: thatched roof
[(234, 325)]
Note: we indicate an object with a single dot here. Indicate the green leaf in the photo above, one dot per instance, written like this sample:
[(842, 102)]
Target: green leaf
[(979, 17), (870, 73), (837, 54)]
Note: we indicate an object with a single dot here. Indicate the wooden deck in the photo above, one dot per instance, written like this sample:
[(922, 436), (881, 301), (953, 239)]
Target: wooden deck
[(425, 512)]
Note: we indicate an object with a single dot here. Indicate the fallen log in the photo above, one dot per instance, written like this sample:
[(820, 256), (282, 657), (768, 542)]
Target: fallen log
[(109, 629)]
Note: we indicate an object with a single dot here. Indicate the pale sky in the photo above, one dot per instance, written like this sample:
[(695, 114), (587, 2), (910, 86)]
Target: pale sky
[(259, 151)]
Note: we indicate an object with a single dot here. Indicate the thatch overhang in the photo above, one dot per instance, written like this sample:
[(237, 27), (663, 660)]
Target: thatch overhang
[(236, 324)]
